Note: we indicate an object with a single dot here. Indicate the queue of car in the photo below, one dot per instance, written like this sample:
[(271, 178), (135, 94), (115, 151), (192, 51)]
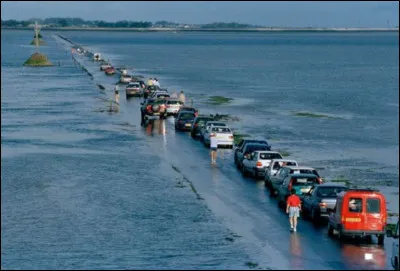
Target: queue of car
[(347, 211)]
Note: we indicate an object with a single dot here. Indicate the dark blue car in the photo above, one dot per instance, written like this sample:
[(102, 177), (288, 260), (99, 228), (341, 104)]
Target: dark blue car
[(184, 121)]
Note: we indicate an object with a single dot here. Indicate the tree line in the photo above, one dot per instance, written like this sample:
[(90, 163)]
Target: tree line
[(78, 22)]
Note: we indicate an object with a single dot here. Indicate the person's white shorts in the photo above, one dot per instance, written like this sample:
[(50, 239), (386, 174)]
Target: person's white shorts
[(294, 212)]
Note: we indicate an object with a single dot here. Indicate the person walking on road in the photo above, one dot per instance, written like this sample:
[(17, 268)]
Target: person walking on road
[(214, 149), (293, 206), (182, 97)]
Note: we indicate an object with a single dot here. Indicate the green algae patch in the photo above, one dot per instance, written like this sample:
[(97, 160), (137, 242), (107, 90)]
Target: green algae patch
[(224, 117), (284, 153), (38, 60), (238, 137), (41, 42), (341, 180), (313, 115), (218, 100)]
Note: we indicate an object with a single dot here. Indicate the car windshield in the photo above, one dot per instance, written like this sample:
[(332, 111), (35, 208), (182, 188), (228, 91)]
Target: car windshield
[(306, 181), (270, 156), (330, 192), (222, 130), (186, 116)]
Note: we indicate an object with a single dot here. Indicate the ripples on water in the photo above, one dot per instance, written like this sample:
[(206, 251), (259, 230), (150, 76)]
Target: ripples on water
[(83, 189)]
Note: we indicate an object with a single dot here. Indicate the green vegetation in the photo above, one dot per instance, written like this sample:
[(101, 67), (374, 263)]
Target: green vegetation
[(391, 227), (38, 60), (238, 137), (217, 100), (313, 115), (284, 153), (341, 179), (225, 117)]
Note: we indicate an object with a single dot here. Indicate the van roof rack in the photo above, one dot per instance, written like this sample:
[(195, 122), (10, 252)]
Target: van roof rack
[(363, 190)]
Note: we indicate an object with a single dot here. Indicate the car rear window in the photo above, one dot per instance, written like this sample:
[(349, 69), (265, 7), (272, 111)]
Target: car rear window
[(221, 130), (173, 102), (270, 156), (186, 116), (355, 205), (134, 85), (304, 171), (373, 206), (330, 192), (218, 124), (252, 148), (304, 181)]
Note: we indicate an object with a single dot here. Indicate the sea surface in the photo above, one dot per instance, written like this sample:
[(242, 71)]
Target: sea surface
[(82, 188)]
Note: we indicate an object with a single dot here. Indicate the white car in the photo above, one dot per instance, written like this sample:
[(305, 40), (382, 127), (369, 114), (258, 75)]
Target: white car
[(275, 165), (223, 134), (173, 106), (394, 259), (133, 89), (206, 129), (258, 161), (125, 79)]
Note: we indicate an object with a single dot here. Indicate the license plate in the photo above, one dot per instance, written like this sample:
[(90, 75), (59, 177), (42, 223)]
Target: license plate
[(188, 124)]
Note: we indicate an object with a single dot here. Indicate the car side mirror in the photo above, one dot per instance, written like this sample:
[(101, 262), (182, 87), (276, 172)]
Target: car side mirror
[(389, 233)]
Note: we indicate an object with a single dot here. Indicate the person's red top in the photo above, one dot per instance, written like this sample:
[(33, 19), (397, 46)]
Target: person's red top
[(293, 201)]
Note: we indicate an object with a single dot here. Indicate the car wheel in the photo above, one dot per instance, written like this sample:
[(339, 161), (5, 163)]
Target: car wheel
[(254, 173), (330, 230), (340, 234), (381, 239), (243, 170), (396, 264), (314, 216)]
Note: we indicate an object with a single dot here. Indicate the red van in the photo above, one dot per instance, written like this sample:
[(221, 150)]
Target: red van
[(359, 212)]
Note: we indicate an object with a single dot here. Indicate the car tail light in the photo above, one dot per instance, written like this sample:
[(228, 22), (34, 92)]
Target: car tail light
[(290, 184), (168, 106), (230, 137), (319, 180), (148, 108), (322, 204), (212, 135), (259, 164)]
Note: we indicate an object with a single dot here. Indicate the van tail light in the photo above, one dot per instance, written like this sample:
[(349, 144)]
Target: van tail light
[(259, 164), (322, 204), (212, 135)]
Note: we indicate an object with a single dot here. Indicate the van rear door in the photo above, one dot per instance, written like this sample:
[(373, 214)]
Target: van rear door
[(373, 216)]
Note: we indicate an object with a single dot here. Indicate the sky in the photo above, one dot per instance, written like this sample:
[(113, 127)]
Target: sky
[(265, 13)]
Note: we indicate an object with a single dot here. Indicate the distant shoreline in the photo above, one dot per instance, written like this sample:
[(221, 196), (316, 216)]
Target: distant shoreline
[(154, 29)]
